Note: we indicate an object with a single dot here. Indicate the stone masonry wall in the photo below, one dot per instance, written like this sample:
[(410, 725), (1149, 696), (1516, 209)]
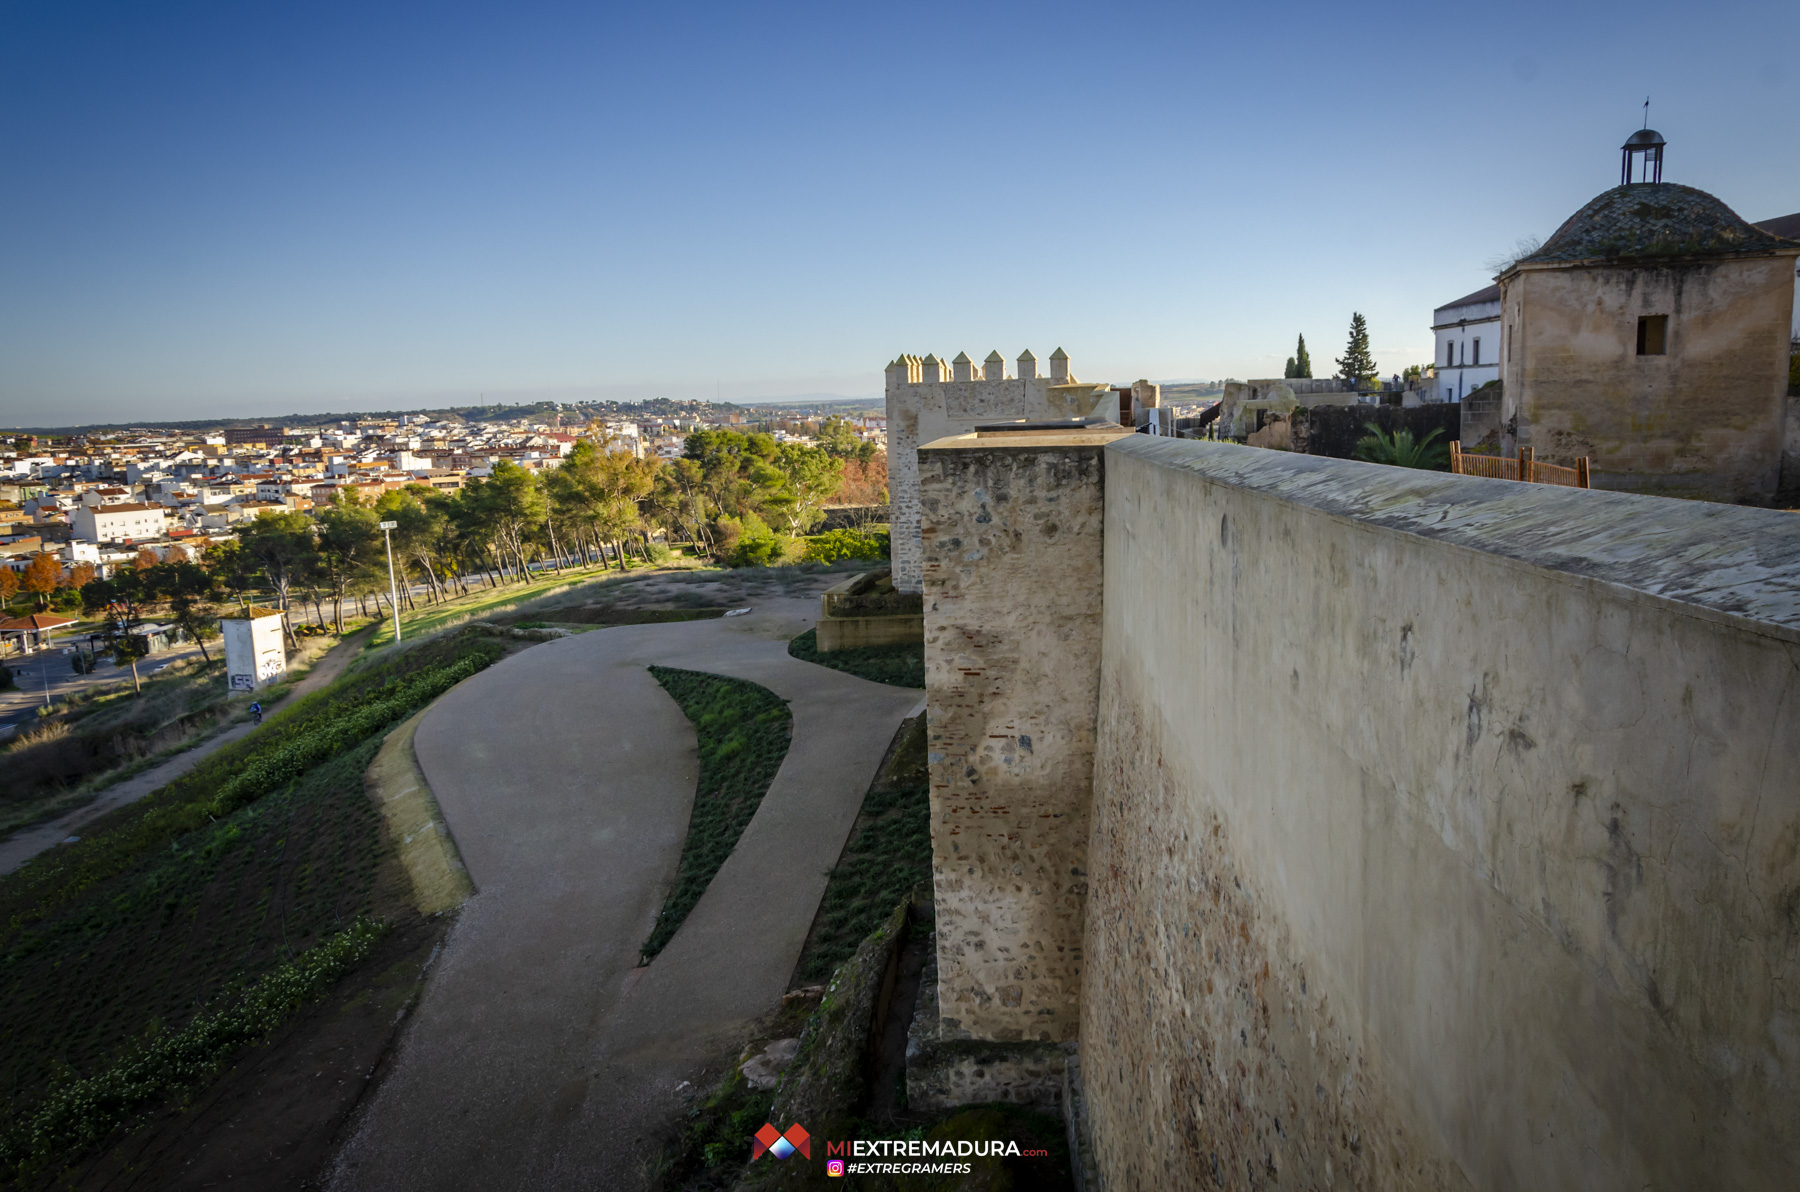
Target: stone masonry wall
[(931, 399), (1446, 832), (1011, 568), (1703, 419)]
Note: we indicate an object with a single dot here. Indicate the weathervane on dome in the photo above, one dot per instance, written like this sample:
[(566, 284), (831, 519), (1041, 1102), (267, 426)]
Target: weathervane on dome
[(1648, 142)]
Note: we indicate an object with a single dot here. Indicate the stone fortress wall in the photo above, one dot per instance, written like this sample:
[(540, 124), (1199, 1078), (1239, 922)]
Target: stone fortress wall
[(1441, 832), (929, 399), (1012, 559)]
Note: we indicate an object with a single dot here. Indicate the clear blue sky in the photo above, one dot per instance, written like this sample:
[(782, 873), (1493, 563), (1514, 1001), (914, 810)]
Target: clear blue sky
[(243, 207)]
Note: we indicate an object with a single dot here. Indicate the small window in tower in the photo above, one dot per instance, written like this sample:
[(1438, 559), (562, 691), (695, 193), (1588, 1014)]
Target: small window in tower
[(1477, 349), (1653, 335)]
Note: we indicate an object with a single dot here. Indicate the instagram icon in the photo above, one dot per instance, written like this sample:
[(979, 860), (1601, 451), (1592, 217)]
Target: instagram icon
[(834, 1167)]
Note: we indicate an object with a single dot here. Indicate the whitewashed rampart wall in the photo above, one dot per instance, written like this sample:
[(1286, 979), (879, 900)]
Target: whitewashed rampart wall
[(930, 399), (1446, 832)]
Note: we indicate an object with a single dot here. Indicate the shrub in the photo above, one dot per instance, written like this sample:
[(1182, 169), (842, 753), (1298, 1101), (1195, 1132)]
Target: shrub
[(748, 542), (1399, 450), (46, 754), (835, 546)]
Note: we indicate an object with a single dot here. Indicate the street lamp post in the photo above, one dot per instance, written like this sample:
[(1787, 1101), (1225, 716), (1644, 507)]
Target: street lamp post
[(393, 591)]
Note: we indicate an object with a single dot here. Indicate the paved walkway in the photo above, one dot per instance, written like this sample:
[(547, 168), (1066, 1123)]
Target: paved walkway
[(539, 1057), (27, 843)]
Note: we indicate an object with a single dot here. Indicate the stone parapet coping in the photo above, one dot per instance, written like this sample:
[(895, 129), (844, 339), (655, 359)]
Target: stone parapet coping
[(1034, 439), (1730, 563)]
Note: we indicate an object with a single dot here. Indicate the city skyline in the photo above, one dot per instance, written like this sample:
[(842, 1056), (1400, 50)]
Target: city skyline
[(227, 213)]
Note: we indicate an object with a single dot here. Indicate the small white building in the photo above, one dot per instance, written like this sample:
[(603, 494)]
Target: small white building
[(119, 523), (1468, 343), (254, 656)]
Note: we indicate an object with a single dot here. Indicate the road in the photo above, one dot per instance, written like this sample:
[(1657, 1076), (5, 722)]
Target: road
[(27, 843), (540, 1056), (33, 672)]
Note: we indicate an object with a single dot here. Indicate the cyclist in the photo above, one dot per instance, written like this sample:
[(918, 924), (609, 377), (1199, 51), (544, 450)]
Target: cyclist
[(256, 712)]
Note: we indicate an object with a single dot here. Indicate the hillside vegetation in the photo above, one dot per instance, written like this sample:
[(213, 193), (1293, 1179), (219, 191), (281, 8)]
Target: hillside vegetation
[(135, 962)]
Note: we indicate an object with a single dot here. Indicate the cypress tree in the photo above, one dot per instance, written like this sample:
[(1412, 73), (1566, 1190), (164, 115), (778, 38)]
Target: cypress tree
[(1356, 365), (1289, 370), (1302, 362)]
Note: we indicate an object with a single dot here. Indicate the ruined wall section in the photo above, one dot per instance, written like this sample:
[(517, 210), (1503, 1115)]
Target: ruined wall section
[(1446, 832), (929, 399), (1012, 565)]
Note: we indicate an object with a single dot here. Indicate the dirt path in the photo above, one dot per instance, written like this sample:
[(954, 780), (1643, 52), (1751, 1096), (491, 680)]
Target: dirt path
[(27, 843), (540, 1057)]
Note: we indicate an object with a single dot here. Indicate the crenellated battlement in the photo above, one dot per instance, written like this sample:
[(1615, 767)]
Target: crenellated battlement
[(930, 398), (930, 370)]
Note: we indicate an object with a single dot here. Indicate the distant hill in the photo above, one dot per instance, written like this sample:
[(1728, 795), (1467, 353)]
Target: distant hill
[(581, 411)]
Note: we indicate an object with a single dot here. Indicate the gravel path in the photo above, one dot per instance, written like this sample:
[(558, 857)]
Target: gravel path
[(27, 843), (539, 1056)]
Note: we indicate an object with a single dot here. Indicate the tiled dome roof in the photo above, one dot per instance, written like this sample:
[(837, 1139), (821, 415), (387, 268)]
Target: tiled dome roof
[(1654, 220)]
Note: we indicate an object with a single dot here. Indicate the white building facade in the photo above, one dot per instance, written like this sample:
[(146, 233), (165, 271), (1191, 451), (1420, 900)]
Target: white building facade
[(1468, 343), (119, 523)]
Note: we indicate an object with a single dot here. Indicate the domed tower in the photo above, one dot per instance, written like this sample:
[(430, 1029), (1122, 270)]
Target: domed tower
[(1650, 335), (1644, 149)]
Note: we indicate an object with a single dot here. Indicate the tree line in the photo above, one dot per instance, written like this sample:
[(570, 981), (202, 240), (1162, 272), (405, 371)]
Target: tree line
[(729, 496)]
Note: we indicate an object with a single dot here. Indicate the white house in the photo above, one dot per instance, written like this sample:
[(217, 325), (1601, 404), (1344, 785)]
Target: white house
[(119, 523), (1468, 342)]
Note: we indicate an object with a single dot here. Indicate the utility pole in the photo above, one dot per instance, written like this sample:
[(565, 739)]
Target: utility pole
[(387, 536)]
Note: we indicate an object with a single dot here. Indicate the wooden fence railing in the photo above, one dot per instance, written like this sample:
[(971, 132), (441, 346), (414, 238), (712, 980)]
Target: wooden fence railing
[(1523, 468)]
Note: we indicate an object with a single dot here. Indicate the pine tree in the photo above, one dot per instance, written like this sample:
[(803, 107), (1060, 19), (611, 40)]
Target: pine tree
[(1356, 365), (1302, 362)]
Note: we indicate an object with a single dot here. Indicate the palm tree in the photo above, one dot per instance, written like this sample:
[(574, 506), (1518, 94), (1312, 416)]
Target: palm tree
[(1399, 450)]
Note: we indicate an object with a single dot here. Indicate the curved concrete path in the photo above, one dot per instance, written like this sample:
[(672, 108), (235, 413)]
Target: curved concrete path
[(539, 1057)]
